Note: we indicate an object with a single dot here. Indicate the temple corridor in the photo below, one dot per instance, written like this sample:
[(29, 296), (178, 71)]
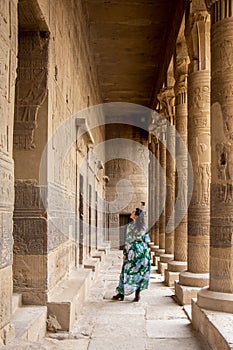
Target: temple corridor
[(107, 106)]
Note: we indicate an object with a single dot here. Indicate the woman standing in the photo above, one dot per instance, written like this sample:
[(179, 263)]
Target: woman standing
[(135, 273)]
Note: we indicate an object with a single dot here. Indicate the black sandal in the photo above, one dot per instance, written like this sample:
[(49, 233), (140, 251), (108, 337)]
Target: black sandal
[(118, 296)]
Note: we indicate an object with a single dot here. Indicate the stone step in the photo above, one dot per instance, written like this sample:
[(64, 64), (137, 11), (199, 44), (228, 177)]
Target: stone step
[(30, 322), (99, 255), (16, 301), (105, 246), (66, 300), (92, 264)]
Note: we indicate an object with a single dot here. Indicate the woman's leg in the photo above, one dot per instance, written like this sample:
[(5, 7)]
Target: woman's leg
[(137, 294)]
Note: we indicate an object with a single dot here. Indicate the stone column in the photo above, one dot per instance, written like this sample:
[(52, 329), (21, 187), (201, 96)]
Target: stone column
[(167, 100), (219, 295), (181, 114), (198, 34), (8, 62), (162, 189), (154, 223), (156, 209), (152, 186)]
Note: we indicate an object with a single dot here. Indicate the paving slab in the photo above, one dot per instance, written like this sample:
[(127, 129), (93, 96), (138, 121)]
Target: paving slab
[(66, 344), (172, 344), (155, 322), (177, 328), (118, 343), (158, 312), (122, 326)]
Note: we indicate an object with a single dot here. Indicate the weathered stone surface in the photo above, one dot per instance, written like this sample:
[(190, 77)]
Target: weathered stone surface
[(5, 295), (8, 60), (215, 327), (30, 279)]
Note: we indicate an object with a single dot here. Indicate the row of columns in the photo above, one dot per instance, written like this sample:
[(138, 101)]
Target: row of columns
[(198, 252)]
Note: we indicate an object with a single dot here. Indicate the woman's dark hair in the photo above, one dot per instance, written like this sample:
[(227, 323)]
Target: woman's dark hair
[(139, 222)]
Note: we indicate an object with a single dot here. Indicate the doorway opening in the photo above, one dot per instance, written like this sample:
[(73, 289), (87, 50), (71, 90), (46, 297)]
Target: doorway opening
[(124, 220)]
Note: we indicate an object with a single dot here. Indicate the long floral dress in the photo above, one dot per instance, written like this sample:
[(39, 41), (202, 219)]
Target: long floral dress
[(136, 268)]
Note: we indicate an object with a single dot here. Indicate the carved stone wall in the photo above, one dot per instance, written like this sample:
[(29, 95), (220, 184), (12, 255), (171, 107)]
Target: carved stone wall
[(8, 61), (53, 84), (118, 193), (31, 85)]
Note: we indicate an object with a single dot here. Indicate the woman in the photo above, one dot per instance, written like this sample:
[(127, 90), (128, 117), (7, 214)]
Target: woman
[(135, 273)]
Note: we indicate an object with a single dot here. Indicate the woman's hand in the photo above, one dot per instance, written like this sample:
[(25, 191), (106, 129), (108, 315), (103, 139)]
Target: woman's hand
[(124, 258)]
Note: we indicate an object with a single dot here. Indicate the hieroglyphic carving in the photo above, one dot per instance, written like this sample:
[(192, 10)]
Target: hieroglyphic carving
[(6, 187), (199, 97), (27, 195), (198, 229), (200, 153), (6, 240), (31, 85), (224, 153), (223, 57), (4, 68), (30, 236), (113, 218)]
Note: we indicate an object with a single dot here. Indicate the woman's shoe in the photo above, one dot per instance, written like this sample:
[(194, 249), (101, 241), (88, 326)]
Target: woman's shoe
[(137, 295), (118, 296)]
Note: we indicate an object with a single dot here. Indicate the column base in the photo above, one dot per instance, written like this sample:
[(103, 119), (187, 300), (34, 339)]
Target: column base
[(189, 285), (166, 257), (215, 301), (159, 252), (177, 266), (173, 271), (162, 264), (162, 267), (170, 278), (185, 294), (215, 327), (194, 279), (155, 260), (153, 248)]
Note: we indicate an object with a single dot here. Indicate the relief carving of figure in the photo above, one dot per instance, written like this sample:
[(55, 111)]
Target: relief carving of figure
[(226, 54), (225, 170), (205, 183), (201, 96)]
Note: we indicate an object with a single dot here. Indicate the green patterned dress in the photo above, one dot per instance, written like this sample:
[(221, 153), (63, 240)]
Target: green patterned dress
[(136, 268)]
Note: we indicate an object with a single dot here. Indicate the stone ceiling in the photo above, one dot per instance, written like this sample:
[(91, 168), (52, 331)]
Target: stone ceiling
[(133, 41)]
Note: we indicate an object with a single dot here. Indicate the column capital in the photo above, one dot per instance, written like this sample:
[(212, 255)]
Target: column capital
[(181, 74), (209, 3), (197, 34), (166, 97)]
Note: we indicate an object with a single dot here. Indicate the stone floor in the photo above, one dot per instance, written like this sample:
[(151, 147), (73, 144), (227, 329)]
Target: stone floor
[(155, 322)]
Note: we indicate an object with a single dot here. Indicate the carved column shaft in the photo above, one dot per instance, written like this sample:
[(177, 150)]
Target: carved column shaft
[(180, 241), (156, 209), (222, 149), (219, 295), (170, 194), (152, 188), (166, 98), (197, 35), (181, 115), (162, 189)]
